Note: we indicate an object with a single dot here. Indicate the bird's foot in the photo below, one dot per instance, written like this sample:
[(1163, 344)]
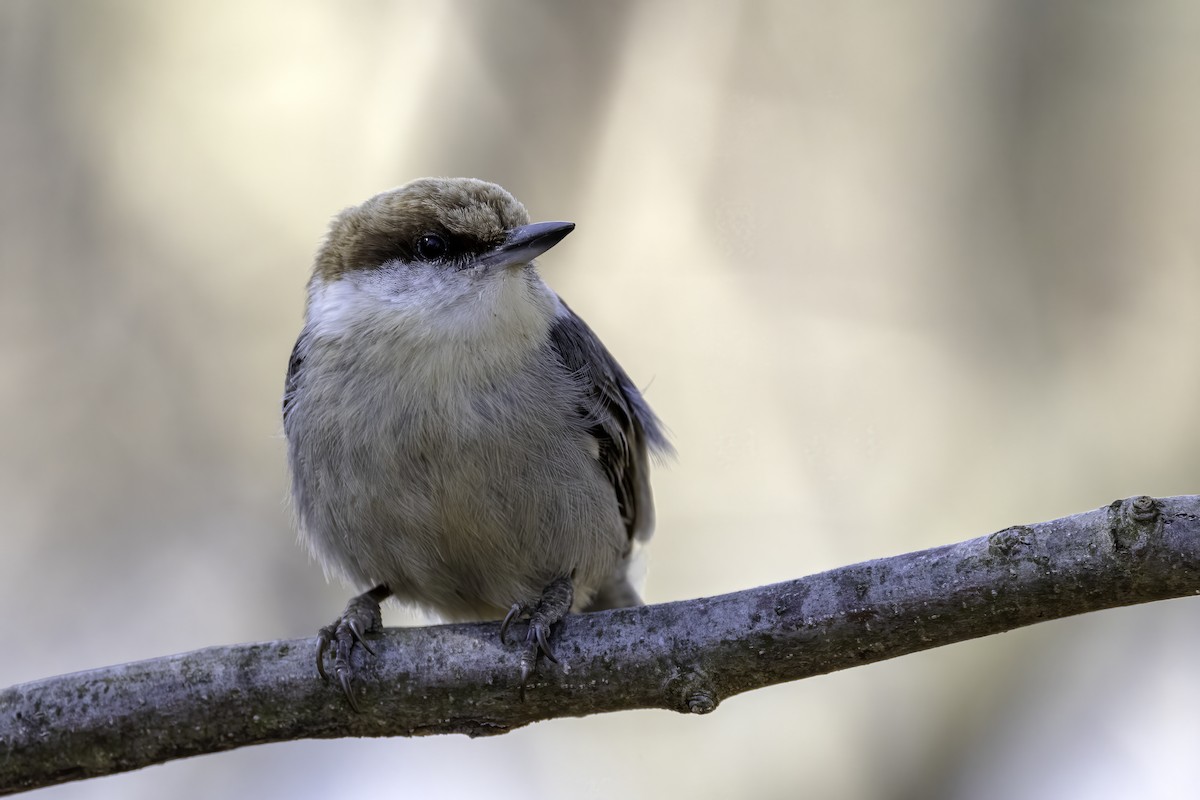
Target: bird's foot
[(361, 618), (553, 605)]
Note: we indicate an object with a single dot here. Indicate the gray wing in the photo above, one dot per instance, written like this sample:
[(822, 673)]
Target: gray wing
[(293, 372), (618, 417)]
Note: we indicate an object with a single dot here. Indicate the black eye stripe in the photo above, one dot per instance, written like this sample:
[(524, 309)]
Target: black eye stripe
[(425, 244)]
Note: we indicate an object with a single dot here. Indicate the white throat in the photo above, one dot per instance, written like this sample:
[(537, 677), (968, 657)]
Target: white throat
[(446, 325)]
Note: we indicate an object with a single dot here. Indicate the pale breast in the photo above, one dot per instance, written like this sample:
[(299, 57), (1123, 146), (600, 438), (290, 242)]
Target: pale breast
[(462, 491)]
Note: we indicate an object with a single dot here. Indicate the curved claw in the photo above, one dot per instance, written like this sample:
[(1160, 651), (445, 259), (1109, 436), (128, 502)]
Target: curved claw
[(537, 640), (324, 637), (554, 604), (512, 614), (359, 637), (361, 617), (526, 671), (542, 636), (344, 679)]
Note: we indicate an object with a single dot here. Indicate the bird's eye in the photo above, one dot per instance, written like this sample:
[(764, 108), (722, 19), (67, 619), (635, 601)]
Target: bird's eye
[(431, 247)]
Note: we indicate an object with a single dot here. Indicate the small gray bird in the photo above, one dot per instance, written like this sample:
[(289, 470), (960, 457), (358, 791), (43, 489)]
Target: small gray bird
[(458, 438)]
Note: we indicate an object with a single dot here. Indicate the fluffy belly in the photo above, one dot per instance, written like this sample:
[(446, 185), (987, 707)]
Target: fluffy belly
[(464, 511)]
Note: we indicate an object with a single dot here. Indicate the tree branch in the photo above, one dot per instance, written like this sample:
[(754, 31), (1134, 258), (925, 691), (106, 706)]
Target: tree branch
[(685, 656)]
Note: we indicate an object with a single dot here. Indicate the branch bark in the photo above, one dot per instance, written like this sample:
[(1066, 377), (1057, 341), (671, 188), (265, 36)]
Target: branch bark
[(685, 656)]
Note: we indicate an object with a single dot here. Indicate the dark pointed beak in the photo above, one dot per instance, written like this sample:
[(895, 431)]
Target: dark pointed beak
[(526, 243)]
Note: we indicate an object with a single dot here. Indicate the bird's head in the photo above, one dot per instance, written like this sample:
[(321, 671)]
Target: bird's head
[(438, 259), (441, 224)]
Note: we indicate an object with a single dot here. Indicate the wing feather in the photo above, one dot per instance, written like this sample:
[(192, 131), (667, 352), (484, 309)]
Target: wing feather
[(625, 428)]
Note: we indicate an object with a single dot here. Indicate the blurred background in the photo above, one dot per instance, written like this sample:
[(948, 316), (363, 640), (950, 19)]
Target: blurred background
[(895, 275)]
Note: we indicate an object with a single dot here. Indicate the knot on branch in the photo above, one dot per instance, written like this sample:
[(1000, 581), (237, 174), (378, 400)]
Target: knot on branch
[(691, 692), (1134, 522)]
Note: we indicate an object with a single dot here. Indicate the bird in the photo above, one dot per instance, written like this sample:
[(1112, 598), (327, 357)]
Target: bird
[(458, 438)]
